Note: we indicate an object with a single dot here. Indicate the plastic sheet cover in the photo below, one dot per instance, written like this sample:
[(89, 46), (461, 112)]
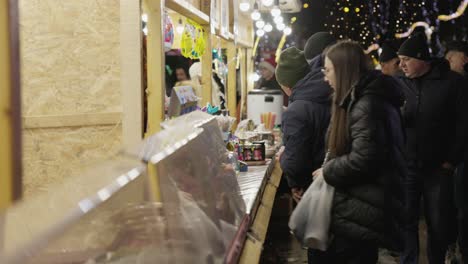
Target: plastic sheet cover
[(103, 216), (209, 150)]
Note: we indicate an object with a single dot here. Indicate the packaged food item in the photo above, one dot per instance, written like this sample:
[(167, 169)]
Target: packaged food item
[(254, 151)]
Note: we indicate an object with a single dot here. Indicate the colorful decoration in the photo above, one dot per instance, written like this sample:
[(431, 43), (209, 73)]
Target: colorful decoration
[(429, 30), (193, 40), (461, 9), (168, 32), (371, 48)]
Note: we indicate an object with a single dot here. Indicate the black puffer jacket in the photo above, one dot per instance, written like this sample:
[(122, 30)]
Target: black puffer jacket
[(435, 116), (304, 125), (367, 205)]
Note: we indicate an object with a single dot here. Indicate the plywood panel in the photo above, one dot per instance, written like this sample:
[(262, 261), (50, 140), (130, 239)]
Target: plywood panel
[(52, 155), (131, 71), (70, 56)]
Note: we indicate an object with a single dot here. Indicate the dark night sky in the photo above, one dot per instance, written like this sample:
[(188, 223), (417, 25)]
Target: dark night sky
[(312, 19)]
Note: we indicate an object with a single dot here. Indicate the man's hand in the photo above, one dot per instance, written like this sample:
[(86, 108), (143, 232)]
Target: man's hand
[(297, 193), (279, 153)]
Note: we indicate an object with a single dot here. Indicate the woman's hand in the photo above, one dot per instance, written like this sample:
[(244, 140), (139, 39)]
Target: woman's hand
[(317, 173)]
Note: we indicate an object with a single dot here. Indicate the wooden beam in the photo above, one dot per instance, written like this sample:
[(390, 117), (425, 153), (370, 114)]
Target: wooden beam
[(188, 10), (206, 62), (73, 120), (155, 64), (244, 79), (156, 69), (250, 69), (10, 102), (131, 72), (232, 80)]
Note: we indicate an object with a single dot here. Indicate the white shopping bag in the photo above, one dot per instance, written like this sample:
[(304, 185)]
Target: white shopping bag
[(310, 220)]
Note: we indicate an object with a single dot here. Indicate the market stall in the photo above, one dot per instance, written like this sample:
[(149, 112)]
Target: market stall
[(206, 209), (197, 165)]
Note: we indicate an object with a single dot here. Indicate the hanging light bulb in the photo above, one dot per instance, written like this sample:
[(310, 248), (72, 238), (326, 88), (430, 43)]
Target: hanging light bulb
[(267, 2), (144, 18), (275, 12), (244, 6), (255, 15), (280, 27), (260, 32), (278, 20), (268, 27), (260, 24), (287, 31), (180, 27)]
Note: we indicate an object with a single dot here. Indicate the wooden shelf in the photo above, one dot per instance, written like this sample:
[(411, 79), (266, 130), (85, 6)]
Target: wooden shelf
[(188, 10)]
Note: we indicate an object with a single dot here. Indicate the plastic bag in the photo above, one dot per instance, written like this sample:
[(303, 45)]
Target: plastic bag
[(310, 221)]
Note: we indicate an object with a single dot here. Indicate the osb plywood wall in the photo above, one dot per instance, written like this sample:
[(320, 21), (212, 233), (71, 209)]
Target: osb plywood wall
[(70, 65)]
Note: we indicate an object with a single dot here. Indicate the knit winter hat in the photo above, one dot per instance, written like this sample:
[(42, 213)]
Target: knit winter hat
[(268, 64), (317, 43), (292, 67), (388, 53), (415, 47)]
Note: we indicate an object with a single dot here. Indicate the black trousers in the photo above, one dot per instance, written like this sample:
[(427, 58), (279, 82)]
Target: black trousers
[(345, 251), (435, 186), (461, 201)]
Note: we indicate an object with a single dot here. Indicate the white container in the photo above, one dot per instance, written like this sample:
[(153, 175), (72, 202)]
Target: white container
[(262, 101)]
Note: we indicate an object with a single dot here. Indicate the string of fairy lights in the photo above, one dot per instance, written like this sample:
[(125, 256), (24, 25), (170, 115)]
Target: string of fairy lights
[(375, 21)]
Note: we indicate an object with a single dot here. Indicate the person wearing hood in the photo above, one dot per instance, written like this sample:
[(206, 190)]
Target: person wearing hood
[(435, 118), (365, 160), (305, 122)]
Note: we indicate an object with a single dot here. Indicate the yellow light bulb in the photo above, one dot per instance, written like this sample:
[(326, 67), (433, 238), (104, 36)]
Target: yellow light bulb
[(346, 9), (306, 5), (357, 9)]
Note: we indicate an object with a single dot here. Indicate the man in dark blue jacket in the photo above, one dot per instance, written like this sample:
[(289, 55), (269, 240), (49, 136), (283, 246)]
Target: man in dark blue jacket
[(306, 120), (435, 118)]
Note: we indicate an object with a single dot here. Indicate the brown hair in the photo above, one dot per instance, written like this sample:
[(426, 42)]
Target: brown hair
[(349, 63)]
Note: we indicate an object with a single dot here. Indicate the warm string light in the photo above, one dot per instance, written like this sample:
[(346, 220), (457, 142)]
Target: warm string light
[(460, 10), (428, 30)]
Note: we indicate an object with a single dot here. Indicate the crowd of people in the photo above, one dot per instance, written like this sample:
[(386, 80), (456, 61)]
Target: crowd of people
[(395, 142)]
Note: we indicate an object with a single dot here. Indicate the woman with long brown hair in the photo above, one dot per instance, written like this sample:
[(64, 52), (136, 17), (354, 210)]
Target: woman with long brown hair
[(366, 163)]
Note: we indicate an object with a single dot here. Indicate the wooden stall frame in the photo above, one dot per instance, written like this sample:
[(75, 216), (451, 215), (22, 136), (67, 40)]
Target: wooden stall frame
[(232, 80), (131, 72), (10, 103)]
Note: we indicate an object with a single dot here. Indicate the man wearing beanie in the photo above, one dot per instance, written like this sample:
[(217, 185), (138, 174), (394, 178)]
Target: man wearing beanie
[(305, 122), (389, 61), (316, 44), (434, 117)]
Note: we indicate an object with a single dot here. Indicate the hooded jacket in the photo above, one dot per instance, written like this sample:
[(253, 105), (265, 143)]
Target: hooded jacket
[(304, 126), (367, 205), (435, 114)]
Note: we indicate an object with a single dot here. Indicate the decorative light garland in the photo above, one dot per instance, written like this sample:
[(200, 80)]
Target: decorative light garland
[(460, 10), (429, 30)]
